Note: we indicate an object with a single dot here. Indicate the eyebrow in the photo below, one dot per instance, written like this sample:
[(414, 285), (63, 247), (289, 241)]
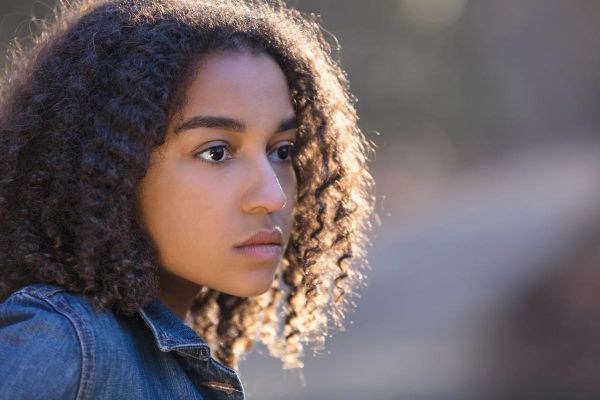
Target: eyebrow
[(230, 124)]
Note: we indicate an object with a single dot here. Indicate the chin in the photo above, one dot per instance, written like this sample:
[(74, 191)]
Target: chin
[(249, 291), (251, 288)]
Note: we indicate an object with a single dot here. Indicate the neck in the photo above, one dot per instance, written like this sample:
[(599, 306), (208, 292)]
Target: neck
[(177, 293)]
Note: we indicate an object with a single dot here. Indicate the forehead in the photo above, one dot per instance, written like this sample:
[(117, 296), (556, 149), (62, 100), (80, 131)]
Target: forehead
[(240, 84)]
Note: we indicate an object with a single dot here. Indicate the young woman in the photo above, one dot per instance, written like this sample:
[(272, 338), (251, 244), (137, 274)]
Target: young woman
[(178, 181)]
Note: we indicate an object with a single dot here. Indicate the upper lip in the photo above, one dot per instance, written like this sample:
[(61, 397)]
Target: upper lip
[(264, 236)]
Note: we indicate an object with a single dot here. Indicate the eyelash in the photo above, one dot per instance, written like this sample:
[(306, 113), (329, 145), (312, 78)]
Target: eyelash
[(216, 163)]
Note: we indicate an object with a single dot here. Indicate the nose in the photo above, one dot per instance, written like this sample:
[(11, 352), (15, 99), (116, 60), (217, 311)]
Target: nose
[(263, 193)]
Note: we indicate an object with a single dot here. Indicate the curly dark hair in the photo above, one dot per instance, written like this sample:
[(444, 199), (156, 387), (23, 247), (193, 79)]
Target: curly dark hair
[(81, 110)]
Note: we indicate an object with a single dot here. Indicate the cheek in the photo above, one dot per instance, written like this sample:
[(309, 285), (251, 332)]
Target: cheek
[(186, 212), (289, 185), (286, 177)]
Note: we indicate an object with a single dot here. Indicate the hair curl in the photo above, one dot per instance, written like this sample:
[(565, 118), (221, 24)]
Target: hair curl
[(83, 106)]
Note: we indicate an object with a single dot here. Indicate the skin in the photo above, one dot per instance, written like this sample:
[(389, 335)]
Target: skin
[(196, 209)]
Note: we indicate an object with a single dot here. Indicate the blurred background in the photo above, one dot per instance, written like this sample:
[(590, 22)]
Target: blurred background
[(485, 278)]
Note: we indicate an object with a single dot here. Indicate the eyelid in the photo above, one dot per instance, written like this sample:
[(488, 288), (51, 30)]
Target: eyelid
[(213, 143), (282, 142)]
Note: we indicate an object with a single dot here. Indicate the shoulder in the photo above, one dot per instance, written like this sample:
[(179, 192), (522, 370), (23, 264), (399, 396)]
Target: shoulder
[(44, 339)]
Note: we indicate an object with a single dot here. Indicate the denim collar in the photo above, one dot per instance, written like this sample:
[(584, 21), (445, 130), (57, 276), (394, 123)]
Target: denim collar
[(170, 333)]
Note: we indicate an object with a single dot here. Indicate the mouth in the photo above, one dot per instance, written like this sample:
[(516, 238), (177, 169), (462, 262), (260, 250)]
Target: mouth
[(265, 244), (262, 251), (265, 236)]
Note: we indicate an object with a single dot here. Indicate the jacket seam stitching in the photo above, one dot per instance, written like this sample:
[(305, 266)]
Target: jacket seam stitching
[(86, 380)]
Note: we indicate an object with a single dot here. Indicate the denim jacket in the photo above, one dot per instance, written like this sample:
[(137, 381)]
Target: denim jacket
[(54, 346)]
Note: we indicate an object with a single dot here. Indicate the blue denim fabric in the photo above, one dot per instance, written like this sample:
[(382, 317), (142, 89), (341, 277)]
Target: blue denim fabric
[(54, 346)]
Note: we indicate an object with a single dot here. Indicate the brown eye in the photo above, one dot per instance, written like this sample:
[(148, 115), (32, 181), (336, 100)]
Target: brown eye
[(283, 152), (214, 154)]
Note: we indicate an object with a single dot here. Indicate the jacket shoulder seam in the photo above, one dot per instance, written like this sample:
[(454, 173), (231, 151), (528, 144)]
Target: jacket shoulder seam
[(40, 290), (86, 342)]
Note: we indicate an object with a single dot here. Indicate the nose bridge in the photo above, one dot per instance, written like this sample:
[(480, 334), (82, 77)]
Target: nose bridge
[(263, 189)]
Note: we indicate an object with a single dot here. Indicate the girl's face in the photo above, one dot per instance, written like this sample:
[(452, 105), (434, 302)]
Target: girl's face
[(224, 173)]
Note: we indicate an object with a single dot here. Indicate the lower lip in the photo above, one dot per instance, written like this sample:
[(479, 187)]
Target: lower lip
[(261, 251)]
